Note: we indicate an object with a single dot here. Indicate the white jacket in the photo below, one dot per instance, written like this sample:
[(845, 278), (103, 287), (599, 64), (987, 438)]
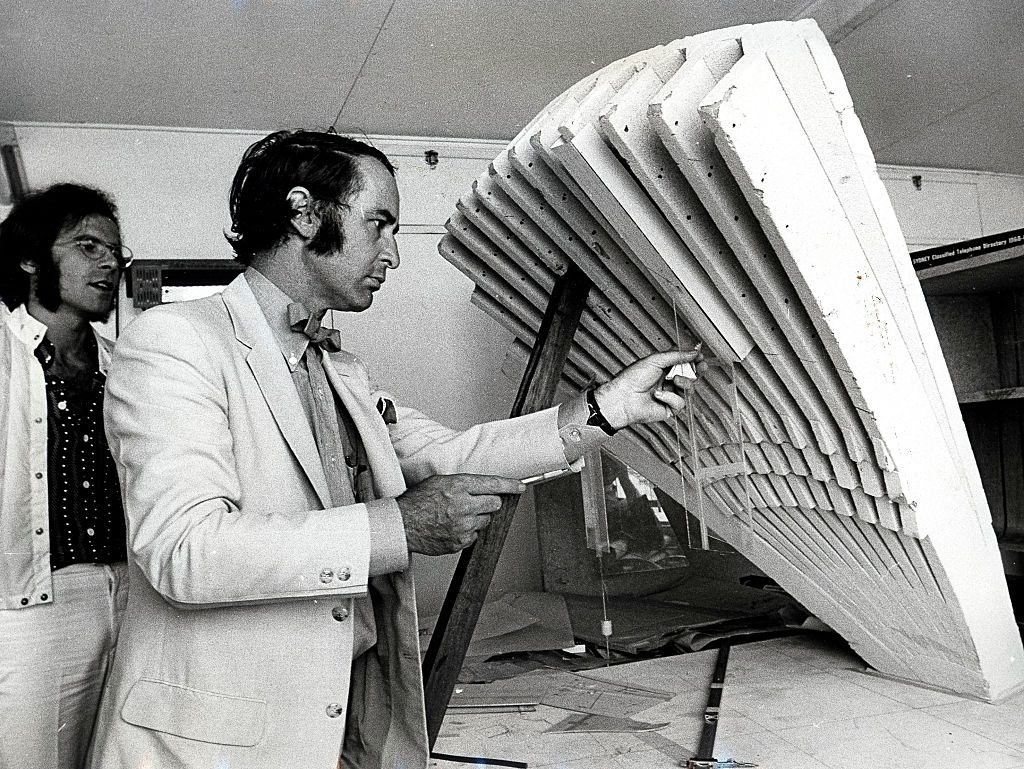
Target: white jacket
[(24, 500)]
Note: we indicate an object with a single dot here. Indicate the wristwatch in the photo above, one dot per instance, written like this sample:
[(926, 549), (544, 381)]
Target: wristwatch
[(594, 416)]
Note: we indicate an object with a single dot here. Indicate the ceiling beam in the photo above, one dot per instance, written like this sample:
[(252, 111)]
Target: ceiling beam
[(838, 19)]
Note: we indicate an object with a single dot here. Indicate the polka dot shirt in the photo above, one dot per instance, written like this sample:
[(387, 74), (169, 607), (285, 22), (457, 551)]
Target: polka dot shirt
[(86, 517)]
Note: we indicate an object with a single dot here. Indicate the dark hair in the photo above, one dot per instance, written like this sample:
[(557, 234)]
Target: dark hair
[(28, 234), (324, 163)]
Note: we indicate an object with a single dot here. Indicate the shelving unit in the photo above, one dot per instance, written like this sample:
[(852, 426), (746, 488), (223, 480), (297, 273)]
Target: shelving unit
[(975, 290)]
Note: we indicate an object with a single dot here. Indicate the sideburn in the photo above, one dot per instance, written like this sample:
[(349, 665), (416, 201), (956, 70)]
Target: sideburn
[(47, 287), (331, 236)]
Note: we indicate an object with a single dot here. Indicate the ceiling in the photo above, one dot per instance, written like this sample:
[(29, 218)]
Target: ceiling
[(935, 82)]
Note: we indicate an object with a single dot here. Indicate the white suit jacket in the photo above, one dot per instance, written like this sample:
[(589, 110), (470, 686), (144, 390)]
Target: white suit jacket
[(236, 648)]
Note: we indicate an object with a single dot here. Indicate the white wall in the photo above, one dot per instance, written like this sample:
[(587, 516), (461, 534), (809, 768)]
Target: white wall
[(953, 205)]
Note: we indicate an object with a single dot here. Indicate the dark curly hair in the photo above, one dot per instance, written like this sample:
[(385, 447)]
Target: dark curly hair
[(30, 230), (324, 163)]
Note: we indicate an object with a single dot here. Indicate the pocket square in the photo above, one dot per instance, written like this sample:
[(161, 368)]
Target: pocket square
[(386, 408)]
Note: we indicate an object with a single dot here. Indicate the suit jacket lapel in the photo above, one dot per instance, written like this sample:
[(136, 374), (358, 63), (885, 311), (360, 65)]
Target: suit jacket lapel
[(351, 385), (263, 355)]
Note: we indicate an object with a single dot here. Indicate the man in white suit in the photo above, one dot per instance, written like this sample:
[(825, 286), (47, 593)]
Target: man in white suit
[(272, 496)]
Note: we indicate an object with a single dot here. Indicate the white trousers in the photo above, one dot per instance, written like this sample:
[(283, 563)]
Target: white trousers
[(53, 660)]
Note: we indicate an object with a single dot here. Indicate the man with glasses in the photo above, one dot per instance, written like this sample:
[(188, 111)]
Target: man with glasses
[(62, 533)]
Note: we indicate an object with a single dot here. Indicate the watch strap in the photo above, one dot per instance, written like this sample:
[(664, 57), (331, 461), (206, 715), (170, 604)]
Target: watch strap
[(594, 416)]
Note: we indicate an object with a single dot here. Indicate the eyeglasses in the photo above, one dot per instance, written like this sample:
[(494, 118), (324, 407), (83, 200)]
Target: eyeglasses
[(96, 249)]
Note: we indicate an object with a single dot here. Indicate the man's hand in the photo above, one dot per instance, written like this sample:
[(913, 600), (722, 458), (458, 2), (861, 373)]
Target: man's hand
[(444, 513), (641, 393)]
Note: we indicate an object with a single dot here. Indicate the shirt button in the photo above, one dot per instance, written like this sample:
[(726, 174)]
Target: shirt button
[(85, 438), (90, 531), (574, 436), (85, 484), (292, 361), (62, 405), (24, 602), (39, 531), (39, 420), (39, 475), (344, 573), (326, 575), (44, 597), (340, 613), (334, 710)]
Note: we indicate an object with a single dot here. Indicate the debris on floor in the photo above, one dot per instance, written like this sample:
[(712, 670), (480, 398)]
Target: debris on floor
[(592, 722)]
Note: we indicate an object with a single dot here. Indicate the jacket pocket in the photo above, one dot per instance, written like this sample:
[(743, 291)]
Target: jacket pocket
[(195, 714)]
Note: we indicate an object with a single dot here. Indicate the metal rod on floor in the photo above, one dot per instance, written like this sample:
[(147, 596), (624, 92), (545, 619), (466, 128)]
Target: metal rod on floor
[(479, 760), (706, 749)]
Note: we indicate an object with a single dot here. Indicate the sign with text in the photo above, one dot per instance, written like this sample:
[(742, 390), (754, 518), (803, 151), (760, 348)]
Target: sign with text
[(967, 249)]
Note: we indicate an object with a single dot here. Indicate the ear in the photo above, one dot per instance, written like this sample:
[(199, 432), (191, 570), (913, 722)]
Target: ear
[(30, 267), (304, 219)]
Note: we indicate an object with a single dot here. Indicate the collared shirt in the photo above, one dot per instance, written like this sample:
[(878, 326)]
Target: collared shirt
[(25, 575), (86, 517), (388, 547)]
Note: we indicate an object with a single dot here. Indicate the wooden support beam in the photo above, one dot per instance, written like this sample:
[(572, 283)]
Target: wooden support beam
[(472, 578)]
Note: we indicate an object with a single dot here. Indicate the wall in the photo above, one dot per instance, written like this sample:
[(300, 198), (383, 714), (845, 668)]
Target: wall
[(950, 205), (444, 356)]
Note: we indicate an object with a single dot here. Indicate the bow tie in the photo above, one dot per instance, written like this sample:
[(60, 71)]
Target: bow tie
[(300, 320)]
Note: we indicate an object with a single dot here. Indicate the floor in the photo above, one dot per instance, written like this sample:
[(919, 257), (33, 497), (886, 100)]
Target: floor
[(791, 703)]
